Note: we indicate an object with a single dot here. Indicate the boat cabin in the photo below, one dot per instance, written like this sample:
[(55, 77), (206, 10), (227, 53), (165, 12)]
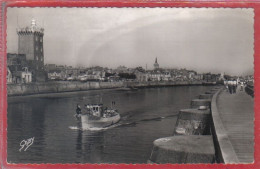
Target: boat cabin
[(95, 109)]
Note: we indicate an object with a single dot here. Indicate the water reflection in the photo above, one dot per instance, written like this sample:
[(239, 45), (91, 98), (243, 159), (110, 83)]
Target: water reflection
[(90, 145)]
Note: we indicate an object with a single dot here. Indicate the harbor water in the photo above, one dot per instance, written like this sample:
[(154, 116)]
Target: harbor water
[(146, 115)]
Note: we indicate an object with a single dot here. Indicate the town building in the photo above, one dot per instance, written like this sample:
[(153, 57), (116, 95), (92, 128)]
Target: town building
[(30, 43), (17, 69), (56, 75), (20, 75), (26, 75), (14, 59), (121, 69), (154, 75), (208, 77), (50, 67), (141, 76), (166, 76), (9, 78)]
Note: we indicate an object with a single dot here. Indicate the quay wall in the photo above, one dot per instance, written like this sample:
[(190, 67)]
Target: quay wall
[(161, 83), (70, 86), (198, 133), (57, 87)]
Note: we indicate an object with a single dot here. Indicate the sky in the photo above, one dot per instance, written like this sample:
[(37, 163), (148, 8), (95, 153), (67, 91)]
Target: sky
[(217, 40)]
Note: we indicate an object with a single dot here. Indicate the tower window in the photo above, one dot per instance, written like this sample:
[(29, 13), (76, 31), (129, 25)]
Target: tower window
[(41, 49), (36, 57), (41, 39), (36, 48), (36, 38)]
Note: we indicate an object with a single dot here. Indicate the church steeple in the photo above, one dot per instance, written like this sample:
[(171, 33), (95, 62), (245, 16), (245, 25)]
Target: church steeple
[(156, 65)]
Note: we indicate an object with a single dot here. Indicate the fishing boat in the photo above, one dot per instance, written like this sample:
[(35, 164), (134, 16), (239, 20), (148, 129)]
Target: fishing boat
[(97, 116)]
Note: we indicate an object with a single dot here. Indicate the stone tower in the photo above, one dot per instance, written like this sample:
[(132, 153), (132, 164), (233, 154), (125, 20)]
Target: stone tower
[(30, 43), (156, 65)]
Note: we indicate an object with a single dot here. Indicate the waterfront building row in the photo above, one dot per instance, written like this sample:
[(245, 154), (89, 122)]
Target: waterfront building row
[(136, 74), (19, 71)]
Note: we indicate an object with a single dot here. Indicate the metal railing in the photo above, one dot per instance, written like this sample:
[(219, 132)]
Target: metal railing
[(249, 90)]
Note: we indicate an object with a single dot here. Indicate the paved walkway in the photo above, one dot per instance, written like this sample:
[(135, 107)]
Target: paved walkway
[(237, 114)]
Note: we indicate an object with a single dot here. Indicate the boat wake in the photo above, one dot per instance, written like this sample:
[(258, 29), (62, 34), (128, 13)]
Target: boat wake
[(147, 120), (101, 129), (94, 128), (74, 128), (157, 118)]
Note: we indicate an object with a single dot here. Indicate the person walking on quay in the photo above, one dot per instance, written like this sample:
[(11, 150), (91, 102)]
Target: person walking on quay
[(241, 86), (234, 86), (226, 85)]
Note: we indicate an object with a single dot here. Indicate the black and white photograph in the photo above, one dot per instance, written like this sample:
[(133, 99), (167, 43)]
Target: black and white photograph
[(130, 85)]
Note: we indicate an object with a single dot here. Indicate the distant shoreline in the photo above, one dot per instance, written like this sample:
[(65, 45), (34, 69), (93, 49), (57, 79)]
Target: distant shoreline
[(75, 86)]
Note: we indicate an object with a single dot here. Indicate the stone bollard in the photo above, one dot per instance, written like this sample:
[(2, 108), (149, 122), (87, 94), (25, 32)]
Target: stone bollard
[(196, 103), (192, 122), (183, 149), (205, 96)]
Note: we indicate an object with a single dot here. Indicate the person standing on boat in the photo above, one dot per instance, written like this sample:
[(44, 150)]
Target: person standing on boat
[(112, 104), (78, 110)]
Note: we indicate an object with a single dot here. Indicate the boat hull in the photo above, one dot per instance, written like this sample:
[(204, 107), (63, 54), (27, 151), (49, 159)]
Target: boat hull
[(88, 122)]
